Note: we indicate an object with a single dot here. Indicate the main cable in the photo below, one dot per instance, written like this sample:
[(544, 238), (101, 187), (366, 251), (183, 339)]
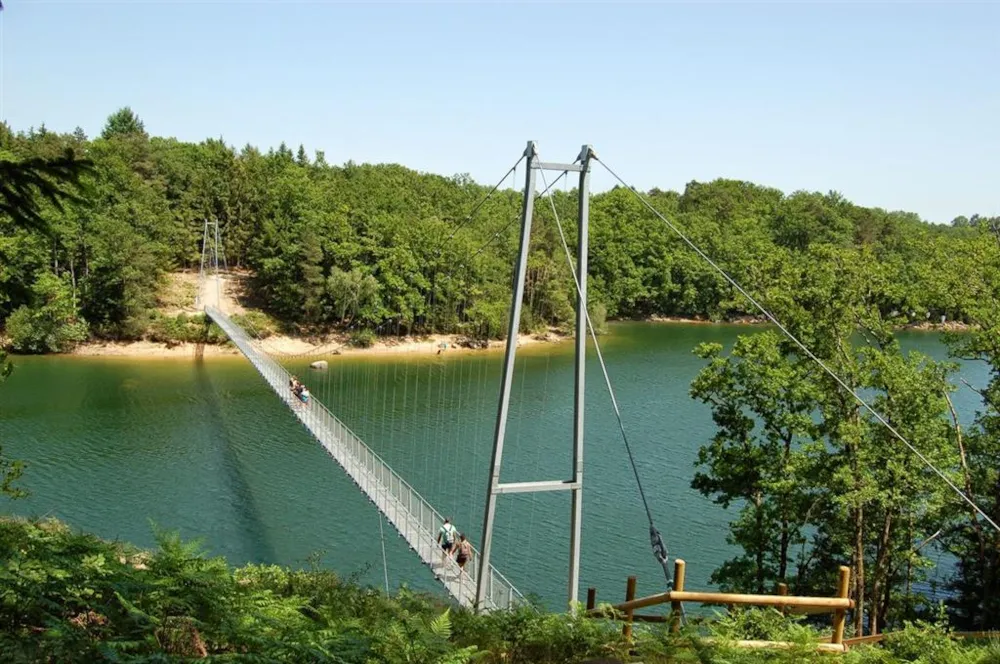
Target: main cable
[(508, 224), (479, 205), (803, 347)]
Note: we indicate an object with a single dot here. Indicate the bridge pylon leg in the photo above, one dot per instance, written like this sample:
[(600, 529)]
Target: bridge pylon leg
[(520, 271), (575, 483)]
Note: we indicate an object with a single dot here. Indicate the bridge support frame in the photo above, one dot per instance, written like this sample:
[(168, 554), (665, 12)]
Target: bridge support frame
[(575, 483), (211, 250)]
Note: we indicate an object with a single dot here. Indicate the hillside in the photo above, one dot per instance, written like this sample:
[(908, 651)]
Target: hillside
[(381, 250)]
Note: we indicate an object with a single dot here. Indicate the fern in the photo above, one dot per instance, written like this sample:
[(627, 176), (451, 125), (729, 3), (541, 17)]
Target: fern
[(70, 597), (441, 626)]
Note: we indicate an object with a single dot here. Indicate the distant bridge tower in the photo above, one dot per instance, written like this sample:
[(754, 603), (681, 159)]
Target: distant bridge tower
[(575, 483), (211, 252)]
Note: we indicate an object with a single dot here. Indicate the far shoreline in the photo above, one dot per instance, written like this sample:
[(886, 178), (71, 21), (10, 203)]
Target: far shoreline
[(288, 347)]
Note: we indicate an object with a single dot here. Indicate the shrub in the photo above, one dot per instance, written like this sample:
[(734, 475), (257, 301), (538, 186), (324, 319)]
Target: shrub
[(257, 324), (51, 324), (362, 338)]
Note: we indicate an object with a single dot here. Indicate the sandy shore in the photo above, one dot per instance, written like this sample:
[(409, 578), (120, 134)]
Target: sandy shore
[(289, 347), (284, 346)]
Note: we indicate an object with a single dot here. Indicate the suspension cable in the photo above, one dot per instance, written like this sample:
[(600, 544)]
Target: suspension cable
[(803, 347), (479, 205), (510, 223), (385, 564), (656, 541)]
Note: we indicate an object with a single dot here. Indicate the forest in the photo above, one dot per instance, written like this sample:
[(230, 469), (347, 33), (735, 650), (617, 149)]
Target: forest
[(814, 478), (384, 249)]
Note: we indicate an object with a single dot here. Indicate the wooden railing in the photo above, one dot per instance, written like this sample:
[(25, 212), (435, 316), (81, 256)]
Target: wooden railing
[(837, 605), (873, 639)]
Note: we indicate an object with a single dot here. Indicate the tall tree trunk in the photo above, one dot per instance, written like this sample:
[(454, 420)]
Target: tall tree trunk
[(72, 276), (783, 544), (977, 527), (758, 500), (882, 557), (883, 618), (859, 569)]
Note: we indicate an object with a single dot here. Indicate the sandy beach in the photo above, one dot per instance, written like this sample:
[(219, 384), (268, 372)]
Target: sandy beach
[(288, 347)]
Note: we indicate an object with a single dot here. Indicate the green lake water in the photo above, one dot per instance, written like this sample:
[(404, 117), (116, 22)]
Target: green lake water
[(204, 447)]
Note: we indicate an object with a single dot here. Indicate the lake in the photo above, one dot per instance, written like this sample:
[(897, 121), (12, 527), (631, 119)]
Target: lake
[(115, 445)]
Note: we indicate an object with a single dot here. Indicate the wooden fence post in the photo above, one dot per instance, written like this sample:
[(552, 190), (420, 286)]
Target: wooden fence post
[(675, 607), (783, 591), (840, 615), (591, 598), (629, 596)]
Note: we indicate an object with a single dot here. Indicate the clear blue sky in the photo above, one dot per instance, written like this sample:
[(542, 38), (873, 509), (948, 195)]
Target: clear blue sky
[(895, 104)]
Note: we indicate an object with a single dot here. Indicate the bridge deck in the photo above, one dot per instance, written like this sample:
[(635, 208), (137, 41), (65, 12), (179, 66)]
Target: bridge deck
[(408, 512)]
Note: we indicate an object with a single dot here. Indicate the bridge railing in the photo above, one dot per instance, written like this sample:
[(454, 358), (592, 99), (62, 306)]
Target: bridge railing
[(409, 512)]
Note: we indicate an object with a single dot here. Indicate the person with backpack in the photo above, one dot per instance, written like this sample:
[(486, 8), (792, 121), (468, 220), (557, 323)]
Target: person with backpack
[(446, 538)]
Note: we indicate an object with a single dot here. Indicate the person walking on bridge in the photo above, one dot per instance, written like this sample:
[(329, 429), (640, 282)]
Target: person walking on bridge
[(446, 538), (464, 549)]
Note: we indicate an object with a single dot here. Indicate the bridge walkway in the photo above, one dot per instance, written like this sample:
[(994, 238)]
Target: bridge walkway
[(405, 509)]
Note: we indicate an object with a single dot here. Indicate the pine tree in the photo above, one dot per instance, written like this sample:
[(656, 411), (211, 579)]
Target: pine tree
[(123, 122)]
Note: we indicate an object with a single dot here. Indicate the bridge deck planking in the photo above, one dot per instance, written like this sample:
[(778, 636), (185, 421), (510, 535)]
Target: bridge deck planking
[(405, 509)]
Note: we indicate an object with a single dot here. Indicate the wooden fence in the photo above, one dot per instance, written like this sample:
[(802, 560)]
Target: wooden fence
[(837, 605)]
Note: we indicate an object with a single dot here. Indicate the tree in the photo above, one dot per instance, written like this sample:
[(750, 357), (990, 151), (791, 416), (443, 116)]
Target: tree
[(10, 470), (123, 123), (24, 183), (761, 404), (801, 455), (976, 545), (51, 324)]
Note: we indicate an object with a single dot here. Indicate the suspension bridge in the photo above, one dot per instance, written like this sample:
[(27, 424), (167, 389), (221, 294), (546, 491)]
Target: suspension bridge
[(408, 512), (479, 585)]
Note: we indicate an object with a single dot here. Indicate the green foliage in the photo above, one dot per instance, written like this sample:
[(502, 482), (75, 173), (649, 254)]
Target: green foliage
[(51, 323), (123, 123), (71, 597), (924, 642), (362, 338), (379, 246), (196, 328), (976, 604), (10, 469), (818, 482), (762, 625), (26, 182), (257, 323)]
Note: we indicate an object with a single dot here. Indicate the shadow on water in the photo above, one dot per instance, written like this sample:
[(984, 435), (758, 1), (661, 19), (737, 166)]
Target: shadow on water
[(250, 526)]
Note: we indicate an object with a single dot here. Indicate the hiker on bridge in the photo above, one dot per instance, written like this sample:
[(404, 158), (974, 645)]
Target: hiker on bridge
[(446, 538), (464, 551)]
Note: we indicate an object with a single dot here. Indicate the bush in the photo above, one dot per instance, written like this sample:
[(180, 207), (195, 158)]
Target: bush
[(362, 338), (51, 324), (257, 324), (71, 597), (924, 642), (178, 329)]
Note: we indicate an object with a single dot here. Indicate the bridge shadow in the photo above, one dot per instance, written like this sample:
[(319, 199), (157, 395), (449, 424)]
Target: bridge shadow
[(250, 525)]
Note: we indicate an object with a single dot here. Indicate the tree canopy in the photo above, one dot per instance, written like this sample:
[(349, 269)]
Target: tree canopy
[(379, 247)]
